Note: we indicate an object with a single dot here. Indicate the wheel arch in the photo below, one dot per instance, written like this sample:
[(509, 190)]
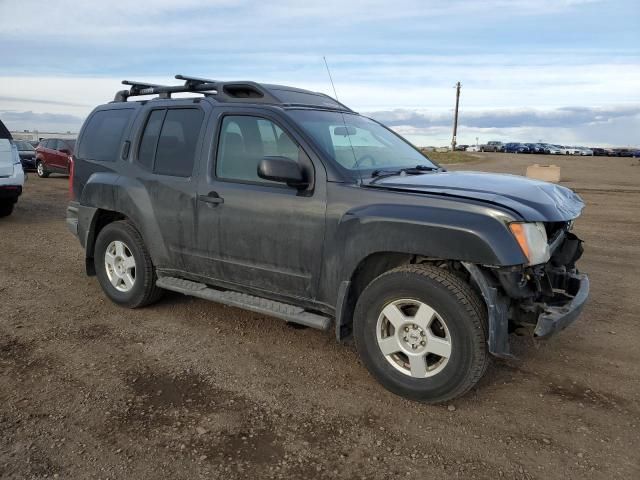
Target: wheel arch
[(372, 267), (101, 218)]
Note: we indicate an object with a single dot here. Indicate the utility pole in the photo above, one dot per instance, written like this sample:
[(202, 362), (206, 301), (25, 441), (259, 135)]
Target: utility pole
[(455, 118)]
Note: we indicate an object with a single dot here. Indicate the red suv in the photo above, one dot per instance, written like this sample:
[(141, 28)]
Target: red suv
[(54, 155)]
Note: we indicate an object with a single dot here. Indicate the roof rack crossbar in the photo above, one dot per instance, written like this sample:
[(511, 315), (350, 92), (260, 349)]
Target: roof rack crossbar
[(193, 81), (164, 91)]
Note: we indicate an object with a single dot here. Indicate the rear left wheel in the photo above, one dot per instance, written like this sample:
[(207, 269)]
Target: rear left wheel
[(124, 267), (421, 332)]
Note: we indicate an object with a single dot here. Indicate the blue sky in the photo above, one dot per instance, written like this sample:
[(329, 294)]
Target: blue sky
[(565, 71)]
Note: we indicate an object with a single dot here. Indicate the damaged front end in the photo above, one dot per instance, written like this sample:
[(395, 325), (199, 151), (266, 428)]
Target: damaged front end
[(540, 299)]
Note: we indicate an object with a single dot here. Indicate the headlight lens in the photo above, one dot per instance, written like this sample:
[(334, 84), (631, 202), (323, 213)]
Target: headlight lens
[(532, 238)]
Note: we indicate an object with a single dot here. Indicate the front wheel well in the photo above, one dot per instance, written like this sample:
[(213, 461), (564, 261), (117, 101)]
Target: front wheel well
[(375, 265)]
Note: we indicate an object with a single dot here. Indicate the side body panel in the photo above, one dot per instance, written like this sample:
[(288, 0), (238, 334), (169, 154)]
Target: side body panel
[(362, 222)]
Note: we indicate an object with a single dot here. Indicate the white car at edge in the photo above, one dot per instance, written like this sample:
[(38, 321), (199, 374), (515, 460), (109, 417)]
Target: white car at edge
[(11, 173)]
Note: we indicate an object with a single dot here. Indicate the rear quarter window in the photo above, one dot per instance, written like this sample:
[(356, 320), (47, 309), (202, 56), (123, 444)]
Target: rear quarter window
[(103, 134), (169, 141)]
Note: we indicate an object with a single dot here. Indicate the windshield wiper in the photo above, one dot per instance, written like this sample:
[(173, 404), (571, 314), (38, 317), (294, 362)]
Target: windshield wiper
[(417, 170)]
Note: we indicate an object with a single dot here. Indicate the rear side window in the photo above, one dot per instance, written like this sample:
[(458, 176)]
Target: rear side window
[(169, 140), (176, 149), (103, 134), (147, 151)]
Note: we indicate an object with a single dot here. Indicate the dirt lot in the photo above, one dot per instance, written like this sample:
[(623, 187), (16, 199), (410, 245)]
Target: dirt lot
[(191, 389)]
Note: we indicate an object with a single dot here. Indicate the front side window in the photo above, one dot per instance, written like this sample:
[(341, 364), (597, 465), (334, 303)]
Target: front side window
[(244, 141), (358, 143), (102, 135)]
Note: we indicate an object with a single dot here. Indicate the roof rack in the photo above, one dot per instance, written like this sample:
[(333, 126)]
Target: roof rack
[(191, 84), (244, 91)]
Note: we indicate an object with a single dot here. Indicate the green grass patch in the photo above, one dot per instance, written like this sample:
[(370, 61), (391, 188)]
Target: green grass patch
[(451, 157)]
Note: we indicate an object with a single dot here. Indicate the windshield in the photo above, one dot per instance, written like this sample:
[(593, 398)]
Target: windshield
[(24, 146), (357, 143)]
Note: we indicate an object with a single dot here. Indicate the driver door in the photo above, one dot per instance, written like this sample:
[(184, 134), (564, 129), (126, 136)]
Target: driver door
[(270, 236)]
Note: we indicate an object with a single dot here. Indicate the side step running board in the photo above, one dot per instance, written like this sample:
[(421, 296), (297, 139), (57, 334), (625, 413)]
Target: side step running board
[(287, 312)]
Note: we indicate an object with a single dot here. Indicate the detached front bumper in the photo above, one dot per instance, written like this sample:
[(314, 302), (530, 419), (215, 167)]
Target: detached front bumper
[(561, 314)]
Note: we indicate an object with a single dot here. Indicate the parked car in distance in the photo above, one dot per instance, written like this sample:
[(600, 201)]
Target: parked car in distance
[(623, 152), (535, 148), (551, 149), (568, 150), (585, 151), (461, 148), (27, 154), (11, 172), (473, 148), (492, 146), (635, 153), (599, 152), (34, 143), (515, 147), (54, 155), (427, 270)]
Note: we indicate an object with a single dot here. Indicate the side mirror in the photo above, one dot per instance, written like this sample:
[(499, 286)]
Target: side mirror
[(282, 169)]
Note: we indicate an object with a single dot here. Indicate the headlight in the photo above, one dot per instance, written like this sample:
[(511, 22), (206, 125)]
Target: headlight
[(532, 238)]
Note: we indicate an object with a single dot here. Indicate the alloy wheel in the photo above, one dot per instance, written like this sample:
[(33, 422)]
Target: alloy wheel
[(120, 266), (413, 338)]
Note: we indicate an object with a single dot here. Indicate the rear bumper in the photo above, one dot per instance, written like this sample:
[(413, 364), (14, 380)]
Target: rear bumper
[(10, 192), (559, 316)]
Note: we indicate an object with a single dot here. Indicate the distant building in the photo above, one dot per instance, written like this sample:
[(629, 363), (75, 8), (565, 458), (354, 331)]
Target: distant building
[(35, 135)]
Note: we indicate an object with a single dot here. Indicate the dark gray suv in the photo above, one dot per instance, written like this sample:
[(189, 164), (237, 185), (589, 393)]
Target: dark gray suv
[(285, 202)]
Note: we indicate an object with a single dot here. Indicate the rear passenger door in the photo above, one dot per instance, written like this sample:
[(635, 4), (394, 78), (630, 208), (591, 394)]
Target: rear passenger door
[(166, 156)]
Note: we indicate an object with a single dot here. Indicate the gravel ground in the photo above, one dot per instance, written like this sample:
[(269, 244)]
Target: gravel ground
[(191, 389)]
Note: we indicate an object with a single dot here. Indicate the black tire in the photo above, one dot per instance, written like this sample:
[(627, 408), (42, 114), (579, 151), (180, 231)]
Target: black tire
[(144, 291), (456, 303), (6, 209), (40, 170)]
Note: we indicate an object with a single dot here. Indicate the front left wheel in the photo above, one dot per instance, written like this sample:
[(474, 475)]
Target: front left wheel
[(124, 267), (421, 332)]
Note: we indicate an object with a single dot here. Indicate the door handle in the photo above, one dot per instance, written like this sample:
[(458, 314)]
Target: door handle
[(211, 197)]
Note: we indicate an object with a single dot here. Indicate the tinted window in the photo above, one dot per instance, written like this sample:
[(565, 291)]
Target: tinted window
[(176, 148), (64, 145), (244, 141), (147, 150), (103, 134)]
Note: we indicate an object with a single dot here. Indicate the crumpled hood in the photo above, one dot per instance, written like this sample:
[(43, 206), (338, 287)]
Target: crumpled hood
[(533, 200)]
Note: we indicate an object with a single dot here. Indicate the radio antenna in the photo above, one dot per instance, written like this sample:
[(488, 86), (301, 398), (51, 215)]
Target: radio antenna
[(355, 159), (330, 78)]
